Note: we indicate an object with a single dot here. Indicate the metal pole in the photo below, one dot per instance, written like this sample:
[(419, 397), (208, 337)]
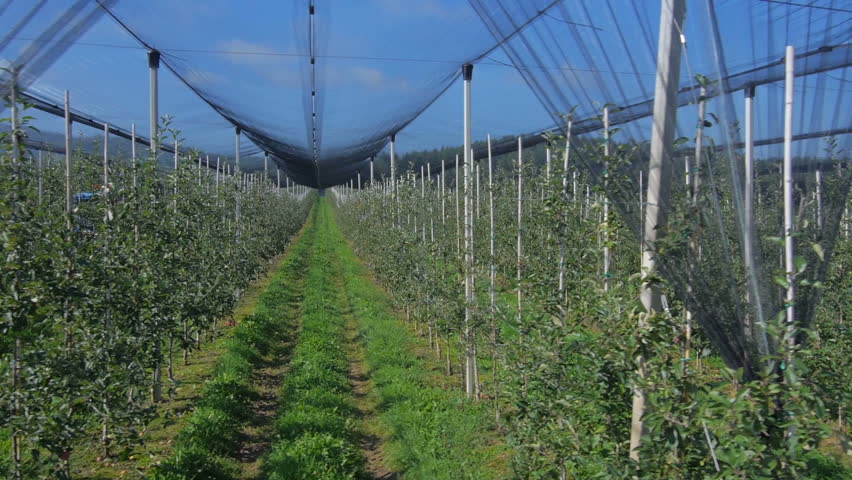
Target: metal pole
[(659, 177), (40, 176), (431, 206), (133, 150), (106, 171), (492, 286), (68, 204), (520, 229), (788, 185), (819, 198), (748, 190), (16, 139), (443, 197), (699, 140), (153, 68), (372, 178), (606, 251), (238, 213), (562, 235), (467, 73), (393, 176), (458, 214)]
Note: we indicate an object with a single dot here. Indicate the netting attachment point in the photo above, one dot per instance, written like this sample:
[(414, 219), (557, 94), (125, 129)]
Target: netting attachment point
[(467, 71), (153, 59)]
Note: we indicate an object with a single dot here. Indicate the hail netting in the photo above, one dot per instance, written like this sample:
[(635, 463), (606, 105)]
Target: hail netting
[(585, 55), (299, 85)]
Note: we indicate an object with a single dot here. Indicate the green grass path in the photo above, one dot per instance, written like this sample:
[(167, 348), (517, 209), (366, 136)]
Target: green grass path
[(431, 432)]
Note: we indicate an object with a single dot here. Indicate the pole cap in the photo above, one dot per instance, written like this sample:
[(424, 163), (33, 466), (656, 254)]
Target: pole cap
[(467, 71), (153, 59)]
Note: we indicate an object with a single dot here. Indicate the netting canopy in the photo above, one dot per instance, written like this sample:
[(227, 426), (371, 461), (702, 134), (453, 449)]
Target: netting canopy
[(322, 86)]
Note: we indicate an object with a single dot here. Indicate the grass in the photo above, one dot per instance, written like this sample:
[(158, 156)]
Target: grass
[(209, 444), (317, 434), (435, 433)]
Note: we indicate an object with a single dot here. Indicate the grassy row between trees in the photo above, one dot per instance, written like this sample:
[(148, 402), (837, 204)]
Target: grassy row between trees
[(435, 433), (210, 442), (317, 435)]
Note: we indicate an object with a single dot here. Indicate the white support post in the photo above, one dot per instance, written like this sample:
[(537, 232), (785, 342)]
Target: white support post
[(16, 138), (562, 235), (458, 212), (789, 80), (476, 169), (372, 178), (469, 377), (672, 13), (359, 180), (687, 174), (520, 250), (431, 206), (393, 179), (154, 68), (68, 203), (443, 195), (105, 189), (492, 285), (607, 260), (699, 148), (546, 171), (641, 212), (133, 151), (217, 173), (818, 179), (748, 190), (238, 213), (40, 167)]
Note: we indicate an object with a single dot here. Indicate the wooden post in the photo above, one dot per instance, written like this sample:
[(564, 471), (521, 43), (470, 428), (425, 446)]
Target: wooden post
[(672, 13)]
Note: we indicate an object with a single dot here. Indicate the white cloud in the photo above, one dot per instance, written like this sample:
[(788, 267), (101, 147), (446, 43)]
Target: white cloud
[(368, 77), (204, 78), (419, 8), (371, 78), (267, 62), (242, 52)]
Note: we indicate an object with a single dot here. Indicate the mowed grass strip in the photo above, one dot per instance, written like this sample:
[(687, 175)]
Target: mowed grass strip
[(434, 433), (316, 427), (208, 446)]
